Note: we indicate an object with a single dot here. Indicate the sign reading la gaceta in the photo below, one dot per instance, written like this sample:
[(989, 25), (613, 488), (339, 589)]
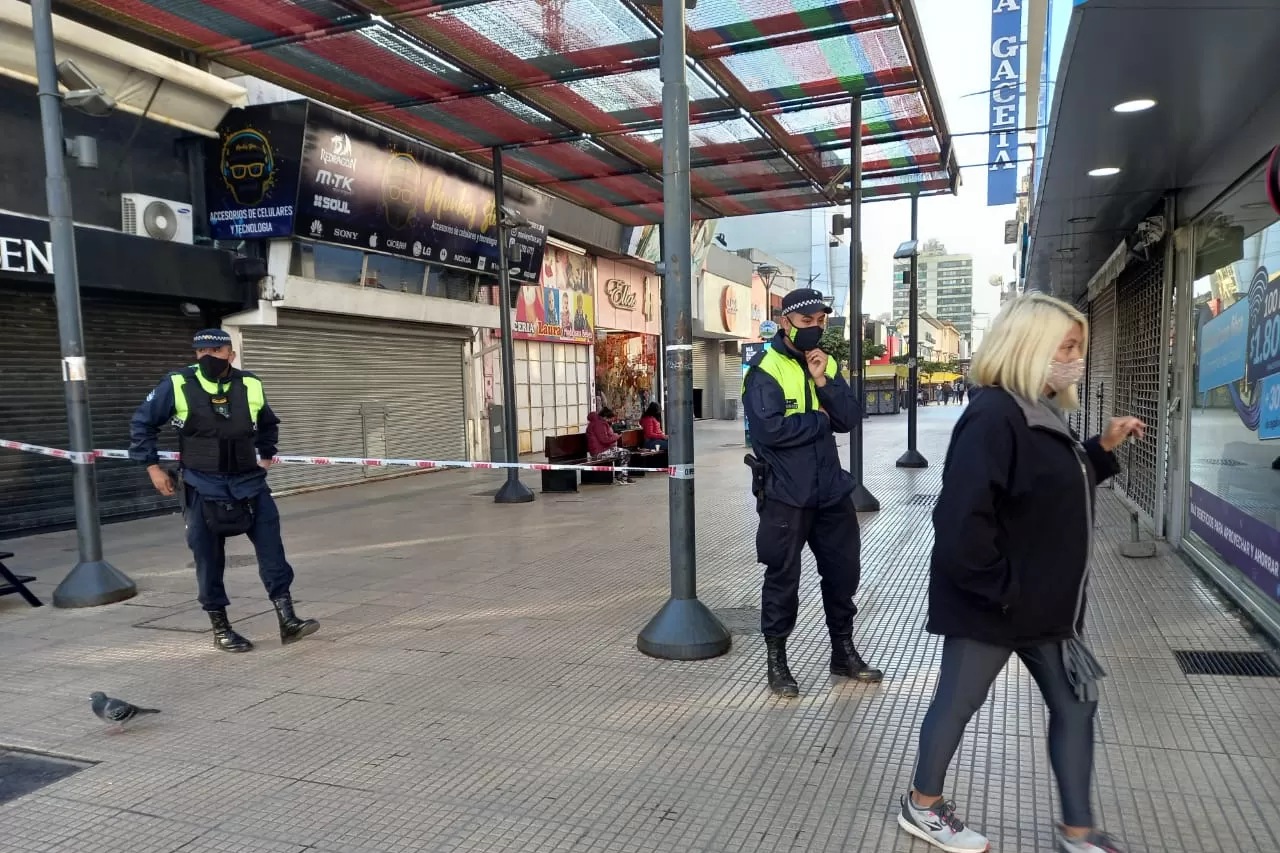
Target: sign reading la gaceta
[(1006, 77)]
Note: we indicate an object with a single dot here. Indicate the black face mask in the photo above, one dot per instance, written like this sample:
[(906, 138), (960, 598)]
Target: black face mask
[(806, 339), (213, 367)]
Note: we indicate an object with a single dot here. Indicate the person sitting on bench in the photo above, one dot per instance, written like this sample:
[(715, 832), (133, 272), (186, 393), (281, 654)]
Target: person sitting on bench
[(651, 423), (602, 443)]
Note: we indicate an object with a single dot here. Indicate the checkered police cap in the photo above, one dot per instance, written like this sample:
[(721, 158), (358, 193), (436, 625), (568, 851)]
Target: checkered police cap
[(804, 301), (210, 339)]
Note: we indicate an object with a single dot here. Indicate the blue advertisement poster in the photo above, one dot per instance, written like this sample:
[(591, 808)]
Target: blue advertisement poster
[(749, 351), (1222, 348), (364, 187), (252, 180), (1006, 101)]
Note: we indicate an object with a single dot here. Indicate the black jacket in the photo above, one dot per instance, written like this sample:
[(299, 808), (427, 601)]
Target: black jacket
[(800, 450), (1013, 526)]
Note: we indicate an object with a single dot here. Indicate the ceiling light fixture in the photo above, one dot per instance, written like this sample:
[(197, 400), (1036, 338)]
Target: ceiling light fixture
[(1255, 205), (1104, 172), (1135, 106), (1080, 220)]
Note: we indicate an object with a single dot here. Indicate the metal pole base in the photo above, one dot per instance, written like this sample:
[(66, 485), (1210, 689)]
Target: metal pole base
[(513, 492), (864, 501), (912, 459), (684, 629), (92, 584)]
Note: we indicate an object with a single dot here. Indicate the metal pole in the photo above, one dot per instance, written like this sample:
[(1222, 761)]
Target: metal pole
[(684, 629), (513, 491), (863, 500), (93, 581), (913, 458)]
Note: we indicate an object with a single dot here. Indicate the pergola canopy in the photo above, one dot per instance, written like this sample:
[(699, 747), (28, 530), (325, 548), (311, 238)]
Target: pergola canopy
[(570, 89)]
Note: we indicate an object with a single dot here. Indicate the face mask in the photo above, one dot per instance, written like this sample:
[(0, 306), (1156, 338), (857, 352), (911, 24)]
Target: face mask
[(806, 339), (1064, 374), (213, 367)]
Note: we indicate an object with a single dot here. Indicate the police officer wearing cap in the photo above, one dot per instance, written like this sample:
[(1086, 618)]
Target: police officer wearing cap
[(227, 436), (795, 402)]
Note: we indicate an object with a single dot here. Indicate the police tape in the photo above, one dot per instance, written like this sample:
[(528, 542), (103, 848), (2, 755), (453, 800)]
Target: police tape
[(89, 457)]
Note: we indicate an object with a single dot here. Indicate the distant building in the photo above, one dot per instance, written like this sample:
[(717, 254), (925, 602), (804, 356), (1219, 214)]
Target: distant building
[(945, 288)]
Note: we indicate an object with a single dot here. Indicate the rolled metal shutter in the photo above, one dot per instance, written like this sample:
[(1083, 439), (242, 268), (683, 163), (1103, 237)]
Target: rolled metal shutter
[(732, 368), (1139, 294), (1102, 360), (700, 364), (131, 342), (353, 389)]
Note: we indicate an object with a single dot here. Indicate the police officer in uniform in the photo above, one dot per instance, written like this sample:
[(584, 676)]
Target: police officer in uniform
[(795, 402), (227, 436)]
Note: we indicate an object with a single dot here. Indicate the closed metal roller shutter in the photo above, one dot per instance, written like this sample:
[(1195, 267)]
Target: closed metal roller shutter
[(700, 364), (732, 374), (1102, 360), (354, 389), (1139, 295), (130, 344)]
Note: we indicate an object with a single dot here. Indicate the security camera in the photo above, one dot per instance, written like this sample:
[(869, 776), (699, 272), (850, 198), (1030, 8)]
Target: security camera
[(512, 218), (82, 93)]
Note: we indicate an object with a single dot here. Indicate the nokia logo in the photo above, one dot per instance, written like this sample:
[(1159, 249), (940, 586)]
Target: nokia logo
[(331, 204), (341, 183)]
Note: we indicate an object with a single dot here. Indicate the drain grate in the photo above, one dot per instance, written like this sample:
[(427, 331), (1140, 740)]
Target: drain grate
[(922, 500), (1256, 664), (22, 772), (739, 620)]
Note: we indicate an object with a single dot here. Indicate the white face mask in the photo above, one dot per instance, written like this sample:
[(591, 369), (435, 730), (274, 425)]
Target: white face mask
[(1064, 374)]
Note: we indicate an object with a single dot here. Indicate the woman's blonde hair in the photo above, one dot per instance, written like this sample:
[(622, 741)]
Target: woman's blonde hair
[(1021, 344)]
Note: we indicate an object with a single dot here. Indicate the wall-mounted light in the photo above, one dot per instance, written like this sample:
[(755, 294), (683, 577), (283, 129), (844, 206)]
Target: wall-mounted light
[(1104, 171), (1137, 105)]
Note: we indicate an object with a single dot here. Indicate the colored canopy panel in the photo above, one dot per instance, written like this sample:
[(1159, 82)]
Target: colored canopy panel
[(571, 89)]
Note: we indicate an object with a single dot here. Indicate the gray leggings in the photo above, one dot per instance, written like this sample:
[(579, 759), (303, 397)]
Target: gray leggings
[(969, 668)]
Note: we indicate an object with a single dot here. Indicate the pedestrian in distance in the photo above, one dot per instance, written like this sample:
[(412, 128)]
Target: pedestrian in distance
[(1013, 531), (227, 437), (795, 402)]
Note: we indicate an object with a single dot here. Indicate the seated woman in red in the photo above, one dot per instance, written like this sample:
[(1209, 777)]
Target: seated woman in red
[(651, 423)]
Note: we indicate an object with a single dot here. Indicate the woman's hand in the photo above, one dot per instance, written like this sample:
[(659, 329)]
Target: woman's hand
[(1119, 430)]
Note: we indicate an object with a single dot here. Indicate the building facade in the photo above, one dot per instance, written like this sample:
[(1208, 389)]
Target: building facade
[(945, 288)]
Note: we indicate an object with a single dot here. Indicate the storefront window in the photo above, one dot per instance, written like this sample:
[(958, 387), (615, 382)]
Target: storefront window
[(323, 262), (387, 272), (626, 367), (342, 265), (1234, 456)]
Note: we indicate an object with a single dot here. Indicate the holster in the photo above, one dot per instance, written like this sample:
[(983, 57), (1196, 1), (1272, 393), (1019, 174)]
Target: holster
[(228, 518), (759, 473)]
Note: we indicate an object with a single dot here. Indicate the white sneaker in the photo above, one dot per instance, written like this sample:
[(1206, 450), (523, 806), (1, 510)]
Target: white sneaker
[(939, 826)]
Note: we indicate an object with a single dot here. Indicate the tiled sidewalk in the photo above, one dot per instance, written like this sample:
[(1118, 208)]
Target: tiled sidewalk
[(475, 687)]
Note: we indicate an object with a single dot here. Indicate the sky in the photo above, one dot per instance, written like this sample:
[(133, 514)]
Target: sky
[(957, 36)]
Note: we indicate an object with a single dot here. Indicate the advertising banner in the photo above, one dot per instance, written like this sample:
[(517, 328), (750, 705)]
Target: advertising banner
[(364, 187), (1222, 348), (1240, 349), (560, 307), (252, 179), (1247, 543), (749, 352), (1006, 101)]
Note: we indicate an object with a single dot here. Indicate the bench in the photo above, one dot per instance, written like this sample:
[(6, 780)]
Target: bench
[(633, 440), (16, 583), (564, 450)]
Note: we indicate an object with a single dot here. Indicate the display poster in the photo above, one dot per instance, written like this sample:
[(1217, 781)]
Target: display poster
[(1240, 349), (252, 171), (1247, 543), (645, 243), (749, 352), (560, 307), (365, 187)]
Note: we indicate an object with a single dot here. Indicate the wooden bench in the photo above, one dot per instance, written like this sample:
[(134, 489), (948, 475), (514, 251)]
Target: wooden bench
[(564, 450), (633, 440), (16, 583)]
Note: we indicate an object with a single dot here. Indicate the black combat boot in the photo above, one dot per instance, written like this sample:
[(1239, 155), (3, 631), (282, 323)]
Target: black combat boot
[(292, 628), (781, 681), (846, 661), (224, 636)]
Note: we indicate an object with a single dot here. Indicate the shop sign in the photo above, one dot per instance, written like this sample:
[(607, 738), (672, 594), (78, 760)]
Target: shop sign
[(1247, 543), (26, 256), (560, 308), (620, 294), (729, 306), (252, 176), (1005, 101)]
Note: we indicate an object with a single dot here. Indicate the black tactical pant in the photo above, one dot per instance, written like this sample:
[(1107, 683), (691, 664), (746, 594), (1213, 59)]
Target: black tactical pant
[(832, 535)]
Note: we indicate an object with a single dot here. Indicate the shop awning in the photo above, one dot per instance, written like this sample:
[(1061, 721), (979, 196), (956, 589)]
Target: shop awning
[(142, 82), (1210, 67), (571, 89)]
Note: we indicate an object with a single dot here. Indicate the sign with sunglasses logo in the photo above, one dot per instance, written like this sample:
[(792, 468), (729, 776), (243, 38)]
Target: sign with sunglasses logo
[(253, 172)]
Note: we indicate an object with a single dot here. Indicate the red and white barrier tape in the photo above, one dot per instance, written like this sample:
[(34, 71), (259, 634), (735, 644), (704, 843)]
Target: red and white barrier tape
[(82, 458)]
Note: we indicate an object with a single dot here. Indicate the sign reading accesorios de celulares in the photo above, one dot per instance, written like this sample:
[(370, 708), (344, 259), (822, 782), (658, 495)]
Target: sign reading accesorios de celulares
[(360, 186)]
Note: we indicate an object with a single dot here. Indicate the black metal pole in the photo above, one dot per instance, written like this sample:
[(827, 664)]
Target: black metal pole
[(93, 581), (684, 629), (513, 491), (863, 500), (913, 458)]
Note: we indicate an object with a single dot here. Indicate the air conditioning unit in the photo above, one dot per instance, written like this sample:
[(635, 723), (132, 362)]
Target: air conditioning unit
[(157, 218)]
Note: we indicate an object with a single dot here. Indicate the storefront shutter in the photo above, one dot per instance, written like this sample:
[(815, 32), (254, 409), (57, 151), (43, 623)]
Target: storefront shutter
[(1102, 360), (700, 364), (1139, 295), (732, 367), (130, 344), (356, 389)]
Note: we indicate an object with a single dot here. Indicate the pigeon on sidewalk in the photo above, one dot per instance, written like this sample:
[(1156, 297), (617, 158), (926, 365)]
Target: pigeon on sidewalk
[(116, 711)]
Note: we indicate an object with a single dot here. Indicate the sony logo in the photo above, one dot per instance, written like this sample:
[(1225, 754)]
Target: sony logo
[(345, 234), (26, 256)]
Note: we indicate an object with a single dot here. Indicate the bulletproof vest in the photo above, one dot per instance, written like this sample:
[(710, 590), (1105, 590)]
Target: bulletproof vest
[(210, 443), (797, 385)]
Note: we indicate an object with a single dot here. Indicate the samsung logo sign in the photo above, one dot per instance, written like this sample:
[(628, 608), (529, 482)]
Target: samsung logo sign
[(26, 256)]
